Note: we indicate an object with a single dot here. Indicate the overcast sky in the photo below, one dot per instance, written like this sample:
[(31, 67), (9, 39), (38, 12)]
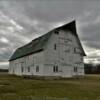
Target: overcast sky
[(23, 20)]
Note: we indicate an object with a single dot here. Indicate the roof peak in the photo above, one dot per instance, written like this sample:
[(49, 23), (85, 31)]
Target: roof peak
[(73, 22)]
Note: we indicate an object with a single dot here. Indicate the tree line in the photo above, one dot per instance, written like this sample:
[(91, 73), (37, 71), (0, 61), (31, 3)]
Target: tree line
[(91, 68)]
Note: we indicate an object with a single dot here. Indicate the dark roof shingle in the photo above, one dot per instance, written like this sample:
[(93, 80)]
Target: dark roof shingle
[(34, 46)]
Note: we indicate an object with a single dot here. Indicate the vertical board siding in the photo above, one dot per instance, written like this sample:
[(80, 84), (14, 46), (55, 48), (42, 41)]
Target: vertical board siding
[(64, 56)]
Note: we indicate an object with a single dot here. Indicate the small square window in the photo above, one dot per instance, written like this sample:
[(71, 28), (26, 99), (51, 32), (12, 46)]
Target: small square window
[(77, 50), (56, 32)]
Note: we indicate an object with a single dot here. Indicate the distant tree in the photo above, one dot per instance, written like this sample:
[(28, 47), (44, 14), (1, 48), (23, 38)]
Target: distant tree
[(92, 69), (98, 68), (3, 70), (88, 68)]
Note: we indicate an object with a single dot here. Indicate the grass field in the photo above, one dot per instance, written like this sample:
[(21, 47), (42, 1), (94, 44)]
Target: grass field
[(12, 88)]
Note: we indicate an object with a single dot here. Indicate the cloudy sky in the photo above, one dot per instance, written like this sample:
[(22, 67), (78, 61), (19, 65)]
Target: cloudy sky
[(23, 20)]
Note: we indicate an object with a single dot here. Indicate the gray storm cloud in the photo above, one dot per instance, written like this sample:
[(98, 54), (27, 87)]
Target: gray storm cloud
[(23, 20)]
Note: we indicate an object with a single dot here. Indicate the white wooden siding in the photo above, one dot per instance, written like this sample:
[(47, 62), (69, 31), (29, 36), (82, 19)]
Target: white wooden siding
[(64, 57)]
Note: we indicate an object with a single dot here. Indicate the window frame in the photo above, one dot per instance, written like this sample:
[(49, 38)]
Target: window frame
[(37, 68), (55, 46), (75, 69), (28, 69), (56, 32), (77, 50), (55, 68), (22, 69)]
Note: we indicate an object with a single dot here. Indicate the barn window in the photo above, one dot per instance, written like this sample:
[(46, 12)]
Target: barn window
[(56, 32), (22, 64), (55, 68), (75, 69), (28, 69), (55, 46), (67, 48), (22, 69), (74, 50), (81, 58), (77, 50), (37, 68)]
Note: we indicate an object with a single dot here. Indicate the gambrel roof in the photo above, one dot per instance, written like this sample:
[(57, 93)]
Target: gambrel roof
[(38, 44)]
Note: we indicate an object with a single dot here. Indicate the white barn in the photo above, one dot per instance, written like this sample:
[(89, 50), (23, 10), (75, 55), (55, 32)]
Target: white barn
[(57, 53)]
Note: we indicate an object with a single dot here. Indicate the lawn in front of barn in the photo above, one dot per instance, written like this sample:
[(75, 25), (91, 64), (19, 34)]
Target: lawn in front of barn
[(18, 88)]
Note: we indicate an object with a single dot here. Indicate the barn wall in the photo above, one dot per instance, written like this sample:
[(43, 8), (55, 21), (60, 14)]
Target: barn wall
[(64, 56), (67, 56), (27, 65), (51, 57)]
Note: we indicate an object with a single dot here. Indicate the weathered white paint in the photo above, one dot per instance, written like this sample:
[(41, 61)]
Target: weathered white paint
[(64, 57), (65, 60), (30, 61)]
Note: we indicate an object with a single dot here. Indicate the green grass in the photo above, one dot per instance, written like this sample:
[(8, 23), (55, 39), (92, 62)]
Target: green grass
[(13, 87)]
